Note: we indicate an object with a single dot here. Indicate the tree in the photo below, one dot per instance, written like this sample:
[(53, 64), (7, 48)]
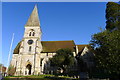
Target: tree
[(112, 16), (11, 70), (2, 68), (107, 43), (107, 51), (63, 59), (1, 65)]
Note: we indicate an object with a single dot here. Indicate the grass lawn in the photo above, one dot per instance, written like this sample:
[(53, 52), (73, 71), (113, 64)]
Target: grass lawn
[(30, 76), (40, 77)]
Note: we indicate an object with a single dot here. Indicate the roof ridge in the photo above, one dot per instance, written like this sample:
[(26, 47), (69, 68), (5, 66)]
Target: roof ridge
[(82, 44), (58, 41)]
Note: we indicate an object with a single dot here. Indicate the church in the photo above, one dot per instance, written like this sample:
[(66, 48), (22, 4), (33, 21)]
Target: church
[(31, 55)]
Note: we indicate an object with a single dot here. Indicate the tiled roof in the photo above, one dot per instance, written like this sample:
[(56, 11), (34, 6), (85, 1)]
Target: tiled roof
[(16, 50), (53, 46), (81, 47)]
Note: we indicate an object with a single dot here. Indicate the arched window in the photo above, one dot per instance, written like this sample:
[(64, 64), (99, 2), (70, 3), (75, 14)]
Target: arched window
[(33, 34), (30, 34), (30, 48)]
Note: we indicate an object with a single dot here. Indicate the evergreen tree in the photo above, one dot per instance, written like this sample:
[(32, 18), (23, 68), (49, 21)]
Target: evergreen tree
[(107, 43), (112, 16)]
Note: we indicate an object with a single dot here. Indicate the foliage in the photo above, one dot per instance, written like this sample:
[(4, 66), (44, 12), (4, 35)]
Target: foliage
[(107, 48), (0, 65), (63, 59), (2, 68), (11, 70), (107, 43), (112, 16)]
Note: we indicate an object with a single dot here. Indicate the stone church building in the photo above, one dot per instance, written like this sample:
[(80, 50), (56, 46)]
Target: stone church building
[(31, 55)]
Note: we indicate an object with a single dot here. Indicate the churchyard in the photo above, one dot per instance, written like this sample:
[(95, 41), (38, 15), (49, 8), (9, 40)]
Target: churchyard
[(40, 77)]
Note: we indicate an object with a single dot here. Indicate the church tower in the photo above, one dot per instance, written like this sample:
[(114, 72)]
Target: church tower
[(32, 34), (28, 61)]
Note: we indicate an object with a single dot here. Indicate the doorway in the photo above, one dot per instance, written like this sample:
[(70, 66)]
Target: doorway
[(29, 69)]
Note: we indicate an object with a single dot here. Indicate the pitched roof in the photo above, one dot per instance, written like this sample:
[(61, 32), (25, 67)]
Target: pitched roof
[(53, 46), (81, 47), (33, 19), (16, 50)]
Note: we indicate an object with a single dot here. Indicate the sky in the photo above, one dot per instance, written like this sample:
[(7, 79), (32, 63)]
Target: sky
[(0, 32), (59, 0), (76, 21)]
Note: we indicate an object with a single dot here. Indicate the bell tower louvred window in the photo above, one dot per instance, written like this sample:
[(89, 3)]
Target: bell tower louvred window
[(31, 32), (30, 48)]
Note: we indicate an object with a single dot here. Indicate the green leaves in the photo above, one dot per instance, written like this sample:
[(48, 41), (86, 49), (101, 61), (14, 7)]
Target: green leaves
[(63, 58), (112, 16), (11, 70), (107, 50), (107, 43)]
